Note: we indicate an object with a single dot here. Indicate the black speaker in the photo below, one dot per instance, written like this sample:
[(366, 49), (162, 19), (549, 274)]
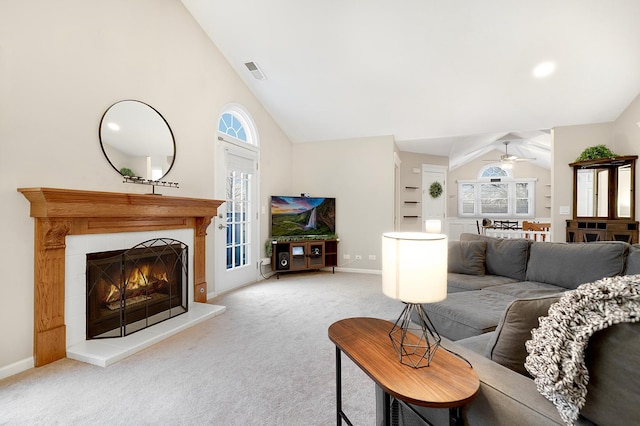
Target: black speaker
[(283, 261)]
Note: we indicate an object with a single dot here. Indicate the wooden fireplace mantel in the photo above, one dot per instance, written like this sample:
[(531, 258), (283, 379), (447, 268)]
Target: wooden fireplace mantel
[(62, 212)]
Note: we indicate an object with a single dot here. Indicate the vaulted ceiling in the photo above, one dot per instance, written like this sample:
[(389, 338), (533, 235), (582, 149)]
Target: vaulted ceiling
[(444, 77)]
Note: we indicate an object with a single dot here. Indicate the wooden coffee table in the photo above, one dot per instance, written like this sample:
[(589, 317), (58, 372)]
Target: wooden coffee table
[(449, 382)]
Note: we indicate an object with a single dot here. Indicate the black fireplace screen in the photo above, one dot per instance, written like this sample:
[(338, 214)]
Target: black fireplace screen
[(129, 290)]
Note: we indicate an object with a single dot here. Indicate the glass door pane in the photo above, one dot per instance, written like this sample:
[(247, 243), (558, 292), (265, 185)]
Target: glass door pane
[(238, 219)]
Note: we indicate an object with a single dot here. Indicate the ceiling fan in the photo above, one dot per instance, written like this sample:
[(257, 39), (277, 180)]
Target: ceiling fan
[(509, 159)]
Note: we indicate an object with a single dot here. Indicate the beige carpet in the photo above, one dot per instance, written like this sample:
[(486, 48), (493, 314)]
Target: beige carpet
[(266, 361)]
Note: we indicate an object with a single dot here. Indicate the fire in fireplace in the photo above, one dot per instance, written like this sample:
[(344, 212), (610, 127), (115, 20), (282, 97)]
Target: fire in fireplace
[(129, 290)]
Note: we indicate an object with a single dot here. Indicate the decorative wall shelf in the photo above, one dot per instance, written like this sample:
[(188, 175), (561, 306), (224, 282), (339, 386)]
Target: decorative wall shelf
[(153, 183), (411, 206)]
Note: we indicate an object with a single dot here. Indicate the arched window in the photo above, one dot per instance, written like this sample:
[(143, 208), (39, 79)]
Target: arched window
[(493, 171), (237, 123), (231, 126)]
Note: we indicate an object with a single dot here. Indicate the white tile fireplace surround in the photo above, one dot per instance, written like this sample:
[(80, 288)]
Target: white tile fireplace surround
[(104, 352)]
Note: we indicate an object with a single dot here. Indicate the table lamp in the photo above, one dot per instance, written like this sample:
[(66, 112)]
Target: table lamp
[(414, 270)]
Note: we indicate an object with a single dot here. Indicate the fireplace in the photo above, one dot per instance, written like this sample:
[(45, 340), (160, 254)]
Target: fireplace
[(130, 290), (59, 213)]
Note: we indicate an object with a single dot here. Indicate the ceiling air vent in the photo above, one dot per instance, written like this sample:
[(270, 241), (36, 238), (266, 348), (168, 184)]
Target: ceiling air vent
[(253, 67)]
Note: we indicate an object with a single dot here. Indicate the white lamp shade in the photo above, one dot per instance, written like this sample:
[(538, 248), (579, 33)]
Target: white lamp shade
[(433, 226), (414, 266)]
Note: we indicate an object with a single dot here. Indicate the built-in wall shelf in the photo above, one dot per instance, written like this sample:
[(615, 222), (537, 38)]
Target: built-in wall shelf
[(410, 206), (548, 185)]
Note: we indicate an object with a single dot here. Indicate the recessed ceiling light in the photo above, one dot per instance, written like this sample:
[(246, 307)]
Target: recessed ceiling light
[(544, 69)]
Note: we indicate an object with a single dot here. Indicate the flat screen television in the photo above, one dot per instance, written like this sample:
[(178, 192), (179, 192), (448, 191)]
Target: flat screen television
[(302, 216)]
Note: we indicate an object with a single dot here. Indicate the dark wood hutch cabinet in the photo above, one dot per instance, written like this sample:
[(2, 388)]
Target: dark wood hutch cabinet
[(604, 200)]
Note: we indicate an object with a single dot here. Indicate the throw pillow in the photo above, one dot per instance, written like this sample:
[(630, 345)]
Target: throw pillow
[(506, 346), (467, 257), (570, 264), (633, 260), (505, 257)]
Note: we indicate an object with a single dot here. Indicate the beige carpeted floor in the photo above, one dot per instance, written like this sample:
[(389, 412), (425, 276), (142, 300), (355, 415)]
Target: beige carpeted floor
[(266, 361)]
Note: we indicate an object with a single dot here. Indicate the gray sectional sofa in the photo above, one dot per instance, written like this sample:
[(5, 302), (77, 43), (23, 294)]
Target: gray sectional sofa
[(486, 274), (497, 290)]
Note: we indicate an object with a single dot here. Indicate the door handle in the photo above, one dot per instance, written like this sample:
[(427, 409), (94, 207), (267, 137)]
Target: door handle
[(221, 226)]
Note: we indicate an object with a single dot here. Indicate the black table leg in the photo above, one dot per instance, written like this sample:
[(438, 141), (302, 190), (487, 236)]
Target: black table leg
[(340, 415), (338, 387), (455, 417), (386, 411)]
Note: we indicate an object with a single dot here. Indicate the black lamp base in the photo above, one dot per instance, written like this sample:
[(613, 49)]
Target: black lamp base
[(415, 343)]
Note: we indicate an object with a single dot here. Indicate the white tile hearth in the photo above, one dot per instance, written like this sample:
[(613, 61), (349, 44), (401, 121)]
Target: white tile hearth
[(104, 352)]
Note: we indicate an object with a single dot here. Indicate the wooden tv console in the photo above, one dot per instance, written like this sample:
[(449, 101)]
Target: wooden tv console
[(303, 255)]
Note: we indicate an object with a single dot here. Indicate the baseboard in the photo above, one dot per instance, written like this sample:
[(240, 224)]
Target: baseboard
[(359, 271), (17, 367), (328, 268)]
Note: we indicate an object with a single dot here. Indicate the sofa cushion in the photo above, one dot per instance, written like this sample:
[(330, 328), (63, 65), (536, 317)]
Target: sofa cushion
[(527, 289), (633, 260), (461, 282), (505, 257), (507, 343), (467, 313), (467, 257), (612, 361), (478, 343), (571, 264)]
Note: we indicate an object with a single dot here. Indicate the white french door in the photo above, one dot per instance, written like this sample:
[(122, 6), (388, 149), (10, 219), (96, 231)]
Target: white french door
[(237, 225)]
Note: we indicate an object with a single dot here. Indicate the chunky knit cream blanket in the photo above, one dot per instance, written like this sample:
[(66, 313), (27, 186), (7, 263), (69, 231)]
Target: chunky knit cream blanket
[(556, 351)]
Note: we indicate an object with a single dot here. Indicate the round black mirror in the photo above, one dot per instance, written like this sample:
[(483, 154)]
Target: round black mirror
[(137, 140)]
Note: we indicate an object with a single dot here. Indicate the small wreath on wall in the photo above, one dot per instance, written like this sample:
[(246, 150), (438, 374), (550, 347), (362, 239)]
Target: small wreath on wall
[(435, 190)]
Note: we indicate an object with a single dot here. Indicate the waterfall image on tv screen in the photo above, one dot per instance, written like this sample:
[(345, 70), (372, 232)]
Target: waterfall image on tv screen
[(292, 216)]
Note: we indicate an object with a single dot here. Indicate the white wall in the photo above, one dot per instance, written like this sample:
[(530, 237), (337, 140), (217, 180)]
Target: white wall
[(626, 139), (62, 64), (359, 174)]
